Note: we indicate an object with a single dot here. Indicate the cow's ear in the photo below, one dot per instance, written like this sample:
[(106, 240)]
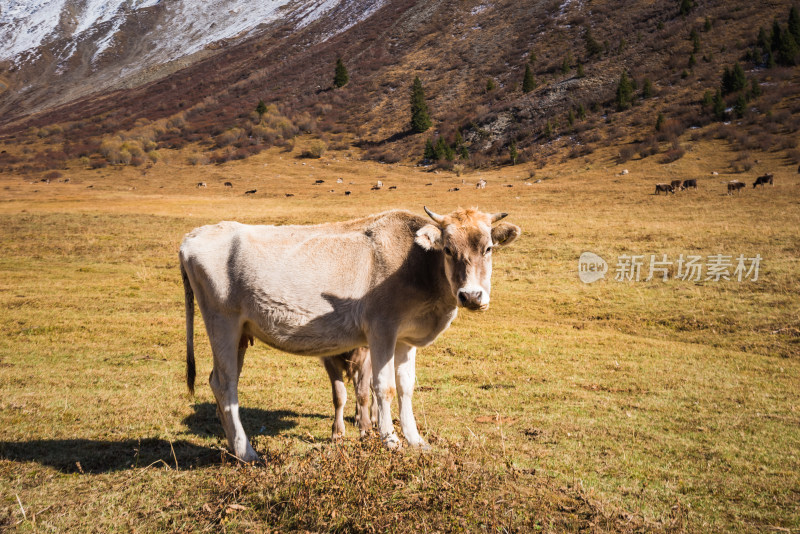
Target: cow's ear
[(504, 234), (429, 237)]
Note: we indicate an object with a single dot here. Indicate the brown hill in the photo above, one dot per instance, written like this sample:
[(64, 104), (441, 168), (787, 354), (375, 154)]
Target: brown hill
[(577, 51)]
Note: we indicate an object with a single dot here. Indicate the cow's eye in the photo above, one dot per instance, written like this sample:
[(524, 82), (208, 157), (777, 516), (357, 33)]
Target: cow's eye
[(448, 251), (487, 251)]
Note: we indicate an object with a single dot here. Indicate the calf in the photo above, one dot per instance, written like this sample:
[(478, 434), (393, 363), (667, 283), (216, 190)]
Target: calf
[(763, 180), (735, 185), (201, 184), (357, 366), (676, 185), (689, 183), (666, 188)]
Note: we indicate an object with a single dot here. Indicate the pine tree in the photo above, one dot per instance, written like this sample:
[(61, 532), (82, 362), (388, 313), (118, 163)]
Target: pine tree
[(512, 152), (567, 64), (794, 24), (581, 111), (755, 88), (787, 49), (580, 72), (429, 153), (340, 78), (571, 118), (741, 105), (593, 48), (686, 6), (707, 25), (647, 88), (718, 108), (775, 39), (692, 61), (261, 108), (694, 37), (739, 79), (528, 83), (420, 121), (490, 85), (624, 92), (764, 39), (708, 100), (660, 122)]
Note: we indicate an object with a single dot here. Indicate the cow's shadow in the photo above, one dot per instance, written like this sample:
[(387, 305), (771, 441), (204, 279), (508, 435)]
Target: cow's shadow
[(105, 456)]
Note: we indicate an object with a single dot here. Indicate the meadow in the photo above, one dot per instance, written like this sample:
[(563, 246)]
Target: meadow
[(616, 406)]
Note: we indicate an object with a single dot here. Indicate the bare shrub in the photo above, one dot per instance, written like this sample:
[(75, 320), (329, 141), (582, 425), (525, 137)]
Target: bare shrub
[(627, 152), (315, 149)]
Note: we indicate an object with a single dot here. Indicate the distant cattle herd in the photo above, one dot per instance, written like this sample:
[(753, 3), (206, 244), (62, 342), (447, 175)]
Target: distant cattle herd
[(734, 186)]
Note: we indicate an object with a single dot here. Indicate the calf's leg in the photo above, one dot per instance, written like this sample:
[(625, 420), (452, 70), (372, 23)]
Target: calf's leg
[(334, 366)]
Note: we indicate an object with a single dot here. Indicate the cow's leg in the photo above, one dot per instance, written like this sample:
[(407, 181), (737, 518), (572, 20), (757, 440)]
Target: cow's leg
[(362, 382), (405, 357), (333, 366), (383, 383), (225, 336)]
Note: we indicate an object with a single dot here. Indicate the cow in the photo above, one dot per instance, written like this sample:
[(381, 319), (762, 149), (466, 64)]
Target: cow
[(339, 181), (288, 195), (294, 288), (317, 182), (357, 366), (392, 187), (666, 188), (251, 192), (763, 180), (347, 193), (735, 185), (689, 183), (453, 189), (228, 184), (481, 184), (201, 184), (676, 185)]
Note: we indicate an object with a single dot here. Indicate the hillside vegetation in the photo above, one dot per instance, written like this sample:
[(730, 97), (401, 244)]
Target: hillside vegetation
[(471, 58)]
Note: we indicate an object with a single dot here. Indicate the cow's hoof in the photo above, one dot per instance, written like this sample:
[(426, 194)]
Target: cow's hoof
[(392, 442), (249, 455), (424, 446)]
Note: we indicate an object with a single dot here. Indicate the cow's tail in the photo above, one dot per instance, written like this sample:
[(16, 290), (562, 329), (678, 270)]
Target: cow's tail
[(189, 296)]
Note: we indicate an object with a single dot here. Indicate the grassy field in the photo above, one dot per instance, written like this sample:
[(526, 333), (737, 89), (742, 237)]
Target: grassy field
[(613, 406)]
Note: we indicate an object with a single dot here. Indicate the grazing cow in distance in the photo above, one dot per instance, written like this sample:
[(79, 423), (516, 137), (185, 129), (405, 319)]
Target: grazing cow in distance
[(356, 365), (689, 183), (429, 183), (666, 188), (251, 192), (339, 181), (317, 182), (228, 184), (347, 193), (735, 185), (201, 184), (763, 180), (392, 187), (377, 186), (289, 195), (481, 184), (676, 185), (452, 189), (294, 288)]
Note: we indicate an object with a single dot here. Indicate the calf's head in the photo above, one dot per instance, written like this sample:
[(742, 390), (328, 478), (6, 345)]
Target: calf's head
[(467, 239)]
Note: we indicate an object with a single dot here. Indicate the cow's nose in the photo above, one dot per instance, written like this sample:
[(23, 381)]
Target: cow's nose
[(470, 298)]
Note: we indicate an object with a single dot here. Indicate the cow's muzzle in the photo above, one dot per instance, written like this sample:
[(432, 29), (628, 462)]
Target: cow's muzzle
[(473, 299)]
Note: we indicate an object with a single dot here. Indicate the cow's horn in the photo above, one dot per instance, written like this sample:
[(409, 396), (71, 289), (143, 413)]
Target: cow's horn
[(497, 216), (432, 215)]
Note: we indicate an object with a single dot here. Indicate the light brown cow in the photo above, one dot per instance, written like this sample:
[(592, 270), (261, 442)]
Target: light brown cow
[(356, 365), (294, 288)]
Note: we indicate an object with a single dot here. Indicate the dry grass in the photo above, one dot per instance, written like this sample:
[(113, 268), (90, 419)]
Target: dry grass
[(639, 406)]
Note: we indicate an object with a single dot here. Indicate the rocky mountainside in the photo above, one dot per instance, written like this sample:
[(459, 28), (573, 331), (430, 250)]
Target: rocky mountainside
[(191, 75), (54, 51)]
